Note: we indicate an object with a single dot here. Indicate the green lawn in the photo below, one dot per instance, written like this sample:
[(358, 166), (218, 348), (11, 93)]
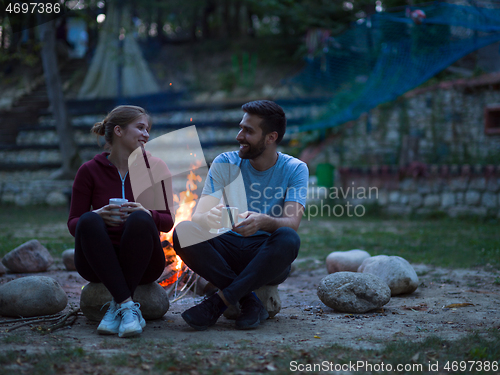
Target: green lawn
[(441, 242), (21, 224)]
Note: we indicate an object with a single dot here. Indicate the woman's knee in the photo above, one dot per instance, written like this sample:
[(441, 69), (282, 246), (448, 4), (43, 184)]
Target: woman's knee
[(89, 221)]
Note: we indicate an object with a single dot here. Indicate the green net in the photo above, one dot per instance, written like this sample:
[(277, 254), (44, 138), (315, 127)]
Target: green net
[(389, 53)]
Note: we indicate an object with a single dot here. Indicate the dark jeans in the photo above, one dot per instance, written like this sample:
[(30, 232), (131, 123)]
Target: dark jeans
[(138, 260), (238, 265)]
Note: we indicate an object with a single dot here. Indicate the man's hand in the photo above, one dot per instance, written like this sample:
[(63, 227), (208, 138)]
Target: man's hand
[(252, 223), (214, 217)]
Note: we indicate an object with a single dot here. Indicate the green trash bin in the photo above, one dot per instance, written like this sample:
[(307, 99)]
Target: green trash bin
[(325, 174)]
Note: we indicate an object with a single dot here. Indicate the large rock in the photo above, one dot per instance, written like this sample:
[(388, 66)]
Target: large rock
[(152, 298), (353, 292), (2, 269), (339, 261), (269, 297), (68, 258), (32, 296), (31, 256), (395, 271)]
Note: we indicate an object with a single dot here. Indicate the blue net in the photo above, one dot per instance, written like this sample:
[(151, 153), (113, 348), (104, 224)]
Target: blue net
[(389, 53)]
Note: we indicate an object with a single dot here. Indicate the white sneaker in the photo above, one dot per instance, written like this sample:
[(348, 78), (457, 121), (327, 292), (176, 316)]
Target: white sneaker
[(111, 321), (132, 321)]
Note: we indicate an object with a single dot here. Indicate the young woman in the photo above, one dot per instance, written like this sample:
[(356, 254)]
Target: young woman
[(120, 250)]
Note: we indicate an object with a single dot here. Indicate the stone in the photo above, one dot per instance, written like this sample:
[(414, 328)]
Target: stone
[(339, 261), (152, 298), (478, 184), (56, 198), (383, 198), (493, 185), (394, 197), (353, 292), (432, 200), (398, 210), (415, 200), (269, 297), (2, 269), (489, 200), (459, 184), (32, 296), (447, 200), (68, 258), (395, 271), (404, 199), (472, 197), (31, 256)]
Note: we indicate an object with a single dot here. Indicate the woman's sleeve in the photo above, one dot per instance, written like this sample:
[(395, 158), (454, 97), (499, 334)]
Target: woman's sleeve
[(81, 197)]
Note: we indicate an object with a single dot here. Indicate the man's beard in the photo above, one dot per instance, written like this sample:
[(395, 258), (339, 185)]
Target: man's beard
[(254, 151)]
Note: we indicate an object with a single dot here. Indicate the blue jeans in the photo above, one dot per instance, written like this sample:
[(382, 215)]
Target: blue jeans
[(238, 265)]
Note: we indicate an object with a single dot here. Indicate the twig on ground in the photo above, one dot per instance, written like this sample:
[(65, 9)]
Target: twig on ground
[(59, 321)]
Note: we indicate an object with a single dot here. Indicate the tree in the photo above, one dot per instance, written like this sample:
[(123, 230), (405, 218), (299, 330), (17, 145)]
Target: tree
[(67, 145)]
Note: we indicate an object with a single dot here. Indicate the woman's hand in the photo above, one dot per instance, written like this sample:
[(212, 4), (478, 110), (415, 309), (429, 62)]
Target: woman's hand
[(129, 207), (111, 215)]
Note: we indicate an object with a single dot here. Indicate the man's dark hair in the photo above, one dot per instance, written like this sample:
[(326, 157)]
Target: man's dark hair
[(272, 115)]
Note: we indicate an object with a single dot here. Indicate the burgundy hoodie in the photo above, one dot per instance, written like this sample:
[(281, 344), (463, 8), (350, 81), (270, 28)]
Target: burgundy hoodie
[(96, 182)]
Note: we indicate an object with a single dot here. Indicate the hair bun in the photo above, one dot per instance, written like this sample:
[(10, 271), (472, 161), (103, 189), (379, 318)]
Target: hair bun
[(99, 128)]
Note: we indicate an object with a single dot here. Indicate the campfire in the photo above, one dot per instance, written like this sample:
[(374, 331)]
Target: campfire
[(176, 273)]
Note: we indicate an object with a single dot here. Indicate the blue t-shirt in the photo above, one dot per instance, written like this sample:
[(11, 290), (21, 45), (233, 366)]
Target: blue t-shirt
[(265, 191)]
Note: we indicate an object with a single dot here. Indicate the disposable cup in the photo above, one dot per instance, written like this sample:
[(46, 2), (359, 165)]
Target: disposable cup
[(119, 202), (225, 220)]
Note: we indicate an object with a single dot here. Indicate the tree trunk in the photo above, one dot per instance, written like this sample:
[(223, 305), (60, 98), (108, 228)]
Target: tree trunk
[(69, 151)]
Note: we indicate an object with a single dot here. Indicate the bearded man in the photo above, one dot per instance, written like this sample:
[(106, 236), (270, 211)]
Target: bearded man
[(262, 242)]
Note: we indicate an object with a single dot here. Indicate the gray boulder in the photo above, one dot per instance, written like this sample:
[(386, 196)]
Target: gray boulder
[(152, 298), (68, 258), (395, 271), (32, 296), (2, 269), (269, 297), (353, 292), (339, 261), (31, 256)]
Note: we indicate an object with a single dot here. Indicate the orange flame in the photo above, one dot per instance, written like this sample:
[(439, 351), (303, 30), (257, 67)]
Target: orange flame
[(186, 201)]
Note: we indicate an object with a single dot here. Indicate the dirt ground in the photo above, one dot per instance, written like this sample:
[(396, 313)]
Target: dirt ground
[(304, 321)]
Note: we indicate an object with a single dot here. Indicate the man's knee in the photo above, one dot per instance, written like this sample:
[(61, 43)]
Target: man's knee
[(288, 239), (184, 228)]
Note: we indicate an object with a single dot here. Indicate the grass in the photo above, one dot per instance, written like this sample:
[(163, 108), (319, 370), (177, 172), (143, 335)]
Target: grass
[(21, 224), (437, 241), (415, 357), (441, 242)]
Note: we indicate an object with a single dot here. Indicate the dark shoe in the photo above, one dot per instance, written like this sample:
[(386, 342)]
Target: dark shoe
[(252, 313), (205, 314)]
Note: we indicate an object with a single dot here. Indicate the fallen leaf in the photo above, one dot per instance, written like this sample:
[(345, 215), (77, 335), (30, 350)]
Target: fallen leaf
[(454, 305), (317, 337)]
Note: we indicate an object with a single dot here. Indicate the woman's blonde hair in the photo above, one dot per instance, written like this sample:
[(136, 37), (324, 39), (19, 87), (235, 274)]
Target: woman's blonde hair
[(122, 116)]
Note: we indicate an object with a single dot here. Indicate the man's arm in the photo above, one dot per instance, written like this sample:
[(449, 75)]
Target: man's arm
[(292, 215)]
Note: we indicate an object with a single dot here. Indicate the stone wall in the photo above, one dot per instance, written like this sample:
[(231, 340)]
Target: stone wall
[(456, 191), (440, 124), (36, 192)]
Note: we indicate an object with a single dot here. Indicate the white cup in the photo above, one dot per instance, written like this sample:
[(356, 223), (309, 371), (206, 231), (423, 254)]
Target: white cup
[(119, 202), (225, 220)]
